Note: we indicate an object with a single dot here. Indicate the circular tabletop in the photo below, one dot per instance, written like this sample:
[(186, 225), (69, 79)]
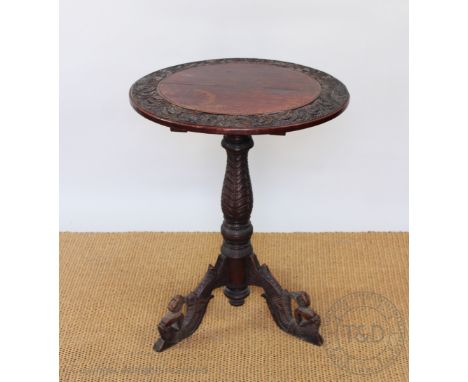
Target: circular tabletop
[(239, 97)]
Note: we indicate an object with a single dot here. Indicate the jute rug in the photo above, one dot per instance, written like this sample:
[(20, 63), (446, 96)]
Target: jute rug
[(114, 288)]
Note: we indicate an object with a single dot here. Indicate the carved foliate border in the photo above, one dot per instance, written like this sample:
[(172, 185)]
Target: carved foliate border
[(145, 98)]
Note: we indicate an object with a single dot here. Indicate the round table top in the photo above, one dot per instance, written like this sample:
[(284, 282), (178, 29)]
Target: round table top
[(239, 97)]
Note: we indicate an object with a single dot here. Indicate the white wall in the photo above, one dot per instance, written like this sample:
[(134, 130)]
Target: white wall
[(121, 172)]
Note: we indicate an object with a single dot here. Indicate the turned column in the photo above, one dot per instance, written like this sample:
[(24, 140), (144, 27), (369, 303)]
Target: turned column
[(237, 204)]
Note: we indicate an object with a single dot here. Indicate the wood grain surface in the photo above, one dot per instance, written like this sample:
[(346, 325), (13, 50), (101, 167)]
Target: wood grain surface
[(239, 88)]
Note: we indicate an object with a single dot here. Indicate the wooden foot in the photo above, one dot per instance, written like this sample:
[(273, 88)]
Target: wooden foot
[(301, 322), (175, 325)]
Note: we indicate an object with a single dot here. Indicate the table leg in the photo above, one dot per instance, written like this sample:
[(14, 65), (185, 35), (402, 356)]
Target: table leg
[(237, 266), (237, 204)]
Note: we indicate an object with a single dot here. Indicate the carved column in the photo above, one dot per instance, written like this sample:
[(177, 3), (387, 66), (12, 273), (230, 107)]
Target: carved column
[(237, 204)]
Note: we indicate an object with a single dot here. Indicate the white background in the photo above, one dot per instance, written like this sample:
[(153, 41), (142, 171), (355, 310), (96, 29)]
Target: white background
[(120, 172), (28, 163)]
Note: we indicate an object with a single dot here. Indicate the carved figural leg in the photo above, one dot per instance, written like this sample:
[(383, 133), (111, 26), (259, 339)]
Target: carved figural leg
[(237, 266), (301, 322), (175, 325)]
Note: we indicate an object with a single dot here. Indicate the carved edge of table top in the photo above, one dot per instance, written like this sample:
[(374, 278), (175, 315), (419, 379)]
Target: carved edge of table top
[(146, 100)]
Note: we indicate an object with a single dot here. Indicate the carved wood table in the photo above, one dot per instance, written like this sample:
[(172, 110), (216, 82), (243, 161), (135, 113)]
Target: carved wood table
[(238, 98)]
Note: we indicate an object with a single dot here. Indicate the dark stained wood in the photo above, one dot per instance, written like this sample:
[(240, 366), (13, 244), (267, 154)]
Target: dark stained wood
[(239, 88), (210, 111), (237, 266), (238, 98)]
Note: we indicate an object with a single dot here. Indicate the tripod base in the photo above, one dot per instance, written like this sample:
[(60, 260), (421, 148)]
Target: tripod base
[(301, 322), (237, 266)]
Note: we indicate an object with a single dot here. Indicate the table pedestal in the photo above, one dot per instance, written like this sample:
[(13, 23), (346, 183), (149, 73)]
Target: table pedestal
[(237, 266)]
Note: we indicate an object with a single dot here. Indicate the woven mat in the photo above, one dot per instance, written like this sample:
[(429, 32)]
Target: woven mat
[(114, 288)]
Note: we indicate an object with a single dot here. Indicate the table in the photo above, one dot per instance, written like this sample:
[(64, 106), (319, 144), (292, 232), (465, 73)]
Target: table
[(238, 98)]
